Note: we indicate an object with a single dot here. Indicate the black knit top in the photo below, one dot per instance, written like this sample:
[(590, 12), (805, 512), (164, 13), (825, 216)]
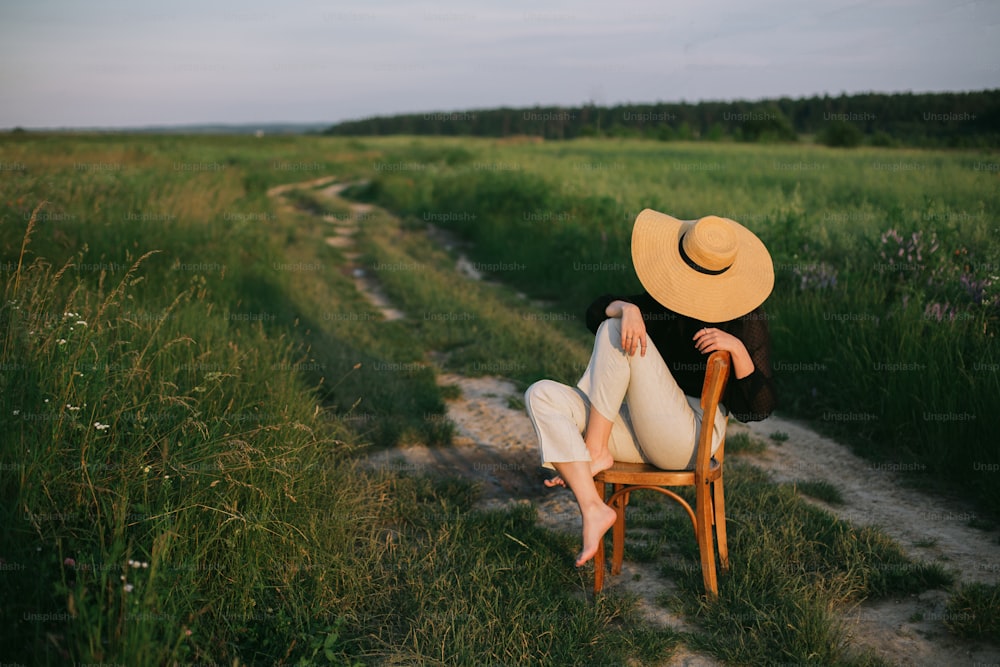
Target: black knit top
[(751, 398)]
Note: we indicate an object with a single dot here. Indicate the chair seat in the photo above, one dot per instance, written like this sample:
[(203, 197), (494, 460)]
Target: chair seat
[(644, 473)]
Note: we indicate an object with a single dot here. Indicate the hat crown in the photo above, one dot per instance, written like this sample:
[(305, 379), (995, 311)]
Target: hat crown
[(711, 243)]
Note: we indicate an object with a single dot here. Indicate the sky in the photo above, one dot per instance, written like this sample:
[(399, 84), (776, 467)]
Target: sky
[(133, 63)]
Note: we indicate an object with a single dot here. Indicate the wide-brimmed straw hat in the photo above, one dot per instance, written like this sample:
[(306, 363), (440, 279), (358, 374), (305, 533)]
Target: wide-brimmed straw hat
[(712, 269)]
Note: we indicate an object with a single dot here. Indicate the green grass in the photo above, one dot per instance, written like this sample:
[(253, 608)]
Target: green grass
[(821, 490), (744, 443), (164, 440), (184, 403), (972, 612), (793, 567), (188, 375)]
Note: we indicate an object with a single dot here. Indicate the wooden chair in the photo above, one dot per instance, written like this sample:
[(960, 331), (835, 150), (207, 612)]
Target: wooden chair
[(709, 509)]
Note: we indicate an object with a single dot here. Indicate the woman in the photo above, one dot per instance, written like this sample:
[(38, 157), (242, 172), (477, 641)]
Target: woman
[(639, 399)]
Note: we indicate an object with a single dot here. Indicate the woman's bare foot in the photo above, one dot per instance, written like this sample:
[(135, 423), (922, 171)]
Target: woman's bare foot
[(597, 516), (596, 521), (601, 461), (596, 466), (554, 482)]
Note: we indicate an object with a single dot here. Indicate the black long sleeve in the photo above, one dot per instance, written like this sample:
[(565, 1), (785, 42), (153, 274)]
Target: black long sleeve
[(751, 398)]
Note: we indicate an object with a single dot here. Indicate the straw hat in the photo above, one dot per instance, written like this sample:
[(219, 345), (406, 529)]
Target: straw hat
[(712, 269)]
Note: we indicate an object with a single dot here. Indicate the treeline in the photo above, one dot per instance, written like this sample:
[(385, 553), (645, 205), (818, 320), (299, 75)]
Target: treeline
[(970, 119)]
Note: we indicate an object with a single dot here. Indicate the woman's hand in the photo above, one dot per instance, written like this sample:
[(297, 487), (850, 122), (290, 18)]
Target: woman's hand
[(710, 340), (633, 326)]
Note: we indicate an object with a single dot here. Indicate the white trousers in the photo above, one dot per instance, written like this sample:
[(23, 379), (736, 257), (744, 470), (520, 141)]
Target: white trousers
[(653, 420)]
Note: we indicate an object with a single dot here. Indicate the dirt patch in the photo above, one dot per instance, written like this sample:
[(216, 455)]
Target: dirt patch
[(303, 185), (933, 529)]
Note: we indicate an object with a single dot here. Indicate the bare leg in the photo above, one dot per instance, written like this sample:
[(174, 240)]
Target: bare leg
[(596, 439), (597, 516)]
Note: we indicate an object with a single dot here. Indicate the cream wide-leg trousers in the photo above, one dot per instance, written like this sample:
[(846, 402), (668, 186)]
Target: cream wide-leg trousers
[(653, 420)]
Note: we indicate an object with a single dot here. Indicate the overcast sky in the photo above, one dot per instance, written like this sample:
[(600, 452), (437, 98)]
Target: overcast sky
[(115, 63)]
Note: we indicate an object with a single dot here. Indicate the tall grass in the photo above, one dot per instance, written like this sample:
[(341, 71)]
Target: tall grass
[(151, 502), (178, 478)]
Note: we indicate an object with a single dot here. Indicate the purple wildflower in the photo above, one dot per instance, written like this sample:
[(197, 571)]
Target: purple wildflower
[(816, 276), (976, 289)]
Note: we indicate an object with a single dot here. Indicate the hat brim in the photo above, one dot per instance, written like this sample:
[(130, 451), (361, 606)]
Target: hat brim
[(656, 256)]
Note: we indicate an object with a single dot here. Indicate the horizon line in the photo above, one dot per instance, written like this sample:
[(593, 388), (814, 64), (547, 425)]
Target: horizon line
[(149, 127)]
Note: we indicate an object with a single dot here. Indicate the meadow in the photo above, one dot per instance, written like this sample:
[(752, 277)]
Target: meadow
[(189, 380)]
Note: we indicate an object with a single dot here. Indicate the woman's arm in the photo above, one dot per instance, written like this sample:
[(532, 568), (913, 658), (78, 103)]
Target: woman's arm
[(710, 340), (595, 313), (633, 327), (753, 397)]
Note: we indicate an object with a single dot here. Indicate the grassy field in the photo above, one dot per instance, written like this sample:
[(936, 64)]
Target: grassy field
[(187, 376)]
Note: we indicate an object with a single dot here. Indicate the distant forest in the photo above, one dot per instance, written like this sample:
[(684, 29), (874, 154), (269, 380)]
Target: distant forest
[(970, 119)]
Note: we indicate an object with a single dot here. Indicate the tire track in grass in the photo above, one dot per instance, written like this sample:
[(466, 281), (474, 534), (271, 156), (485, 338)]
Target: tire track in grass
[(343, 229)]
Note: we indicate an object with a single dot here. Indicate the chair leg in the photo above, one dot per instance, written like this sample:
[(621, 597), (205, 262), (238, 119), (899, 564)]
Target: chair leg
[(599, 564), (703, 511), (719, 504), (618, 535)]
